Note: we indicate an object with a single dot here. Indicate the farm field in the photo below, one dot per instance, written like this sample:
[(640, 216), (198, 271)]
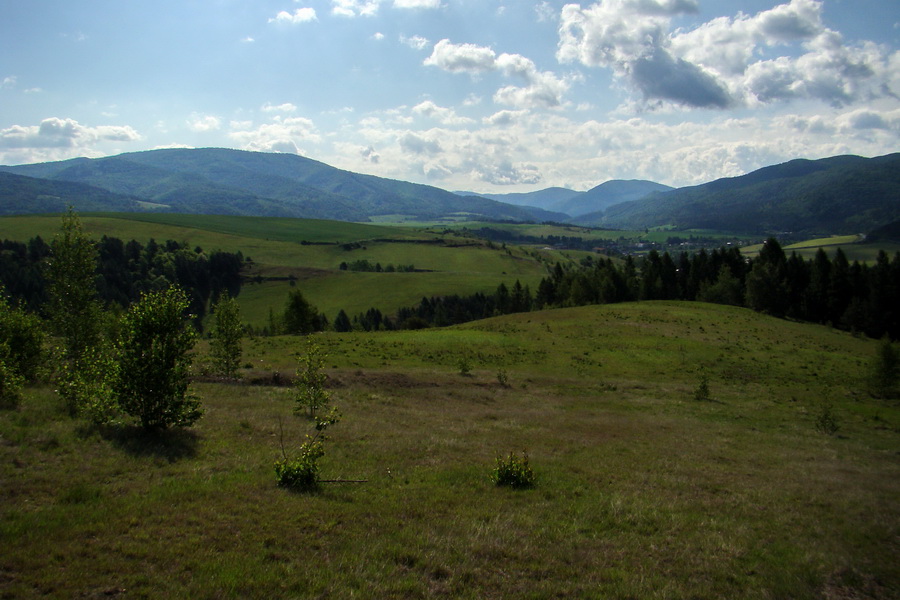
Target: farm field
[(642, 490), (310, 253)]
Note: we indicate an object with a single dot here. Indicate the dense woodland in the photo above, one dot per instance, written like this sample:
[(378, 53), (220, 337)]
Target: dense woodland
[(857, 297), (124, 271)]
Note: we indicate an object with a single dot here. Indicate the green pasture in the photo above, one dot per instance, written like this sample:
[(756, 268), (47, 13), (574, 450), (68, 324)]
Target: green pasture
[(852, 245), (642, 491)]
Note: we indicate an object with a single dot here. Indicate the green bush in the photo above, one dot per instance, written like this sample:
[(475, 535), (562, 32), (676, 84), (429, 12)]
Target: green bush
[(301, 473), (701, 393), (10, 381), (514, 472), (826, 421)]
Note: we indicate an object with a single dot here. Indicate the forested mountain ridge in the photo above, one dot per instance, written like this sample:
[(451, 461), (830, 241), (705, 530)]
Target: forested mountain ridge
[(574, 203), (841, 194), (20, 194), (224, 181)]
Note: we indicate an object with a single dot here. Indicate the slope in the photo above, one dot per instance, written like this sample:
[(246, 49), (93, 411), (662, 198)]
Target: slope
[(843, 194)]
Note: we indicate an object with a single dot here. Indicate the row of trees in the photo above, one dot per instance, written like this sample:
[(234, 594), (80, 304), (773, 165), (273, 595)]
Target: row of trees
[(858, 296), (123, 271), (108, 366)]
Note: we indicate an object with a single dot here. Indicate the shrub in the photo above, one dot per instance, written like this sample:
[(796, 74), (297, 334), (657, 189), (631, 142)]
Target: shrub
[(227, 333), (513, 471), (154, 362), (701, 393), (885, 370), (10, 381), (86, 385), (23, 335), (503, 378), (465, 366), (309, 386), (301, 473), (826, 421)]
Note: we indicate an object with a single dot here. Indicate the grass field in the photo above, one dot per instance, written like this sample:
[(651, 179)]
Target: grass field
[(445, 263), (642, 492)]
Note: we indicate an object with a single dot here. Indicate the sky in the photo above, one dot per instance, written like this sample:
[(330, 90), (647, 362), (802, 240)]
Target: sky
[(489, 96)]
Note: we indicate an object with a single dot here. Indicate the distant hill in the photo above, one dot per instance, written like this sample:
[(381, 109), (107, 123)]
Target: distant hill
[(545, 199), (22, 195), (842, 194), (223, 181), (608, 194), (575, 204)]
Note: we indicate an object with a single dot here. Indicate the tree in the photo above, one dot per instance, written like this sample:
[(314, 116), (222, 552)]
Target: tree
[(227, 334), (766, 284), (23, 337), (71, 271), (300, 317), (309, 387), (154, 359), (342, 322), (885, 369)]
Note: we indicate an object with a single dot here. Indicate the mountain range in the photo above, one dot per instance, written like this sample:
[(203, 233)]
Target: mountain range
[(842, 194), (576, 204), (223, 181)]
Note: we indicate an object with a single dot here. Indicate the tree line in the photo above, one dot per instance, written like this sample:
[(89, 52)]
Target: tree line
[(854, 296), (124, 271)]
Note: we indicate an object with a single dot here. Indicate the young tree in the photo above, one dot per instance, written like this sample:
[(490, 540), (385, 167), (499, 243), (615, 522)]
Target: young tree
[(71, 270), (309, 387), (227, 334), (154, 360), (885, 369), (23, 337)]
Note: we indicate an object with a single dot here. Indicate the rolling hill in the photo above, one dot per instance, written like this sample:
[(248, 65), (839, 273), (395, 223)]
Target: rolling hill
[(841, 194), (575, 204), (223, 181)]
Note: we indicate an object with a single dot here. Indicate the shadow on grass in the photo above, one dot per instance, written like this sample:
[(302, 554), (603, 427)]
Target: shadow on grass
[(169, 444)]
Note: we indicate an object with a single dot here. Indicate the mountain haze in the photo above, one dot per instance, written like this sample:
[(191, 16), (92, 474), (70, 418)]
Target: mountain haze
[(841, 194), (223, 181)]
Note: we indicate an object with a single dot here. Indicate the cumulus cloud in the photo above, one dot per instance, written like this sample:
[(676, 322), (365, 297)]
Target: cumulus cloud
[(462, 58), (355, 8), (57, 138), (417, 42), (631, 37), (287, 107), (281, 135), (417, 3), (415, 143), (300, 15), (8, 82), (543, 89), (204, 123), (446, 116), (725, 61)]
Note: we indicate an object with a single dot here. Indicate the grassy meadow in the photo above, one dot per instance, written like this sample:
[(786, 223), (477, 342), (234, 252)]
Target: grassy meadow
[(310, 252), (642, 490)]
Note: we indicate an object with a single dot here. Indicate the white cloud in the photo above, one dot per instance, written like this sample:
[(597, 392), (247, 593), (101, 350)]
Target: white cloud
[(543, 90), (281, 135), (545, 12), (461, 58), (300, 15), (417, 3), (247, 40), (287, 107), (56, 139), (355, 8), (8, 82), (416, 42), (378, 36), (446, 116), (744, 60), (204, 123)]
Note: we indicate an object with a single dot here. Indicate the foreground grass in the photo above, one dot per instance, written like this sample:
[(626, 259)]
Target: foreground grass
[(642, 492)]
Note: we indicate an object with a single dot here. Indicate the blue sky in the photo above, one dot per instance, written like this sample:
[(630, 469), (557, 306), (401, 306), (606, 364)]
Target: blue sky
[(482, 95)]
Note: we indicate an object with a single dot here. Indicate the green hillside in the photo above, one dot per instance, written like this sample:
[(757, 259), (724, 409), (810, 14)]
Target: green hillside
[(838, 195), (307, 254), (642, 491), (235, 182)]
